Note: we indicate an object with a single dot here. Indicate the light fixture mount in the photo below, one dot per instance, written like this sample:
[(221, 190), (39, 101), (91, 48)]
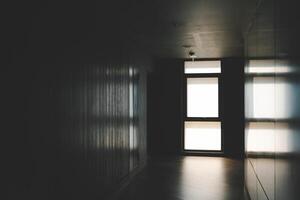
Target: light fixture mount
[(192, 55)]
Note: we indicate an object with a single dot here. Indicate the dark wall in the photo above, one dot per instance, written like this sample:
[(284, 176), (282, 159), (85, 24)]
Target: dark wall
[(73, 131), (164, 107), (165, 90), (74, 102), (233, 106), (272, 133)]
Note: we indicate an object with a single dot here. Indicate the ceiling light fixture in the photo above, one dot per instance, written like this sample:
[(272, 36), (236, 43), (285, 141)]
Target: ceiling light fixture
[(192, 55)]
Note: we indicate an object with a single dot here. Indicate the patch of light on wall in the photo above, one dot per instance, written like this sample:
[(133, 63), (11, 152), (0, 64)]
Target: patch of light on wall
[(263, 97), (260, 137), (283, 97), (284, 138), (192, 67), (269, 66), (283, 67), (202, 97), (261, 66), (202, 136)]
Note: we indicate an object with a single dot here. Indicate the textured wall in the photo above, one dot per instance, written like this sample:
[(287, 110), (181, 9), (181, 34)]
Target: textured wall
[(79, 129), (272, 133), (74, 100)]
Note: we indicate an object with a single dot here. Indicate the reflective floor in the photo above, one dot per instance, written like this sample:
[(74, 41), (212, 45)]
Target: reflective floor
[(188, 178)]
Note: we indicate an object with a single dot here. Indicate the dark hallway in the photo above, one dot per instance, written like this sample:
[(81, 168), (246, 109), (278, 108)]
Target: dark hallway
[(151, 99)]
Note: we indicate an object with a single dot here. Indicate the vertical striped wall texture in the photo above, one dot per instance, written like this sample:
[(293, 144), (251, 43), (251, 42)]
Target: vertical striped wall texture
[(78, 130), (74, 131)]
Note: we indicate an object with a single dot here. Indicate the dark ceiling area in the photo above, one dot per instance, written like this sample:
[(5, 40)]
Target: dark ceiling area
[(210, 28), (163, 28), (172, 28)]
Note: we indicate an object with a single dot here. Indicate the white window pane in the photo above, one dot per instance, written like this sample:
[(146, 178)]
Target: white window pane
[(192, 67), (202, 97), (263, 97), (202, 136)]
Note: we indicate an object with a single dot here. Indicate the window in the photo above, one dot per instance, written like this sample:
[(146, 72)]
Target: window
[(202, 97), (195, 67), (202, 123), (202, 135)]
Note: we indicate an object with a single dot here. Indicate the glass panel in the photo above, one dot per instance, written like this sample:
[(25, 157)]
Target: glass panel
[(202, 97), (202, 135), (193, 67)]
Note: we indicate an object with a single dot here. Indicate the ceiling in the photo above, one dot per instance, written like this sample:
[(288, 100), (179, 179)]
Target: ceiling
[(164, 28), (172, 28)]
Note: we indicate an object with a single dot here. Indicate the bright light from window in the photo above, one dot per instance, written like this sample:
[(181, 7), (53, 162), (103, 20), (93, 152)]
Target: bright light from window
[(202, 97), (260, 137), (269, 66), (193, 67), (202, 136), (263, 97), (261, 66)]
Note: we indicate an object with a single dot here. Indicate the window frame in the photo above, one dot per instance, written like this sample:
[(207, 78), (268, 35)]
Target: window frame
[(185, 118)]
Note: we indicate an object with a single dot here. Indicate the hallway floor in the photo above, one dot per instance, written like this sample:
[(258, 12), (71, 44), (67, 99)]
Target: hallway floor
[(188, 178)]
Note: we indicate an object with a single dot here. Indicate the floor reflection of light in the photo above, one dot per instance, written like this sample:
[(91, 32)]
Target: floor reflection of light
[(201, 177)]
